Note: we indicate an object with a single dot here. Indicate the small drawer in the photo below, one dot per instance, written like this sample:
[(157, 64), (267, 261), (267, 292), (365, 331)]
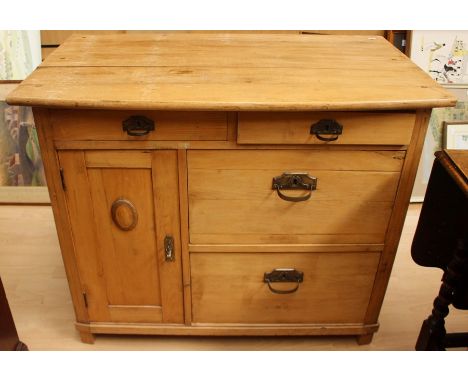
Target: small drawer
[(109, 125), (334, 128), (247, 288), (347, 198)]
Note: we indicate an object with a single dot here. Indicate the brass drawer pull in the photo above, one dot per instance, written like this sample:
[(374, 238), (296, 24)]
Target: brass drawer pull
[(121, 220), (326, 127), (283, 275), (137, 126), (294, 181)]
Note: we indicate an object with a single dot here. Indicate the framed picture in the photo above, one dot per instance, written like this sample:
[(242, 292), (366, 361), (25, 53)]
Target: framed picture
[(442, 54), (22, 179), (456, 135)]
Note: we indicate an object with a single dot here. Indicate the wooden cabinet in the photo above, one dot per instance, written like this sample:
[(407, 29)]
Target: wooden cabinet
[(215, 184)]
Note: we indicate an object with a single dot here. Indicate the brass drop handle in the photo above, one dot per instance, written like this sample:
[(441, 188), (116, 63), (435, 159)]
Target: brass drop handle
[(294, 181), (283, 275), (125, 221), (138, 126), (327, 127)]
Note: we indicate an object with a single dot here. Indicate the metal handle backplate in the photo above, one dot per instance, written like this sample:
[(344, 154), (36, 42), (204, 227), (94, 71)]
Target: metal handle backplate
[(169, 252), (294, 181), (327, 127), (283, 275), (138, 125)]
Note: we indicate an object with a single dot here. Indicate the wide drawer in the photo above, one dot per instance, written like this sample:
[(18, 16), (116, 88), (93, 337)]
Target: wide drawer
[(230, 287), (356, 128), (168, 126), (232, 200)]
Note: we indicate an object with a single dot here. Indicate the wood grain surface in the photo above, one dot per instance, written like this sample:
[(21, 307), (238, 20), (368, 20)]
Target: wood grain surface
[(358, 128), (229, 288), (183, 71), (123, 272), (231, 198)]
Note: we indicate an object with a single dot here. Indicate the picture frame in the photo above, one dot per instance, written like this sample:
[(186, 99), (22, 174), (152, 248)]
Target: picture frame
[(22, 179), (442, 54), (456, 135)]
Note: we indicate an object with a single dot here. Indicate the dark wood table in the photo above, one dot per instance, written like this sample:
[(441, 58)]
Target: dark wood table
[(441, 240), (8, 335)]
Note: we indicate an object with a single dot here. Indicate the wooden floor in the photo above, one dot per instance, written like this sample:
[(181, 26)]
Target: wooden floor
[(32, 272)]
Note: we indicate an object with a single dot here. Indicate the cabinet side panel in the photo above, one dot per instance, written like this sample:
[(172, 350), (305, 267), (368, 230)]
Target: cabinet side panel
[(85, 239), (397, 218), (59, 208)]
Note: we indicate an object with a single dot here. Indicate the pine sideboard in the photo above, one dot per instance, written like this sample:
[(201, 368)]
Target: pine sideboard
[(216, 184)]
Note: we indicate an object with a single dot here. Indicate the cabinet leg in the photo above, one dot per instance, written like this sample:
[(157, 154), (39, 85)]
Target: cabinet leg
[(87, 337), (365, 339)]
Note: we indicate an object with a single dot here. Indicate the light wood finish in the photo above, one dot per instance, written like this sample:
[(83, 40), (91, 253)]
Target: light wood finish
[(196, 183), (119, 267), (397, 219), (56, 37), (320, 159), (87, 337), (131, 313), (71, 125), (166, 198), (60, 210), (352, 203), (229, 330), (184, 234), (229, 72), (46, 51), (346, 32), (117, 159), (275, 248), (209, 145), (229, 288), (358, 128)]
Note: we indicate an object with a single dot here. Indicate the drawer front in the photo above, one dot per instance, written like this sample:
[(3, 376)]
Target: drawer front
[(168, 126), (231, 200), (230, 287), (356, 128)]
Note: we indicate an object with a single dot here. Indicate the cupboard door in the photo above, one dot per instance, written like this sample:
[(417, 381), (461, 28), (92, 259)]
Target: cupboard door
[(123, 208)]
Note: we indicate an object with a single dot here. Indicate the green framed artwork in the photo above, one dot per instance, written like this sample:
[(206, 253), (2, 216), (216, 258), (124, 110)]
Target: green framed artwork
[(22, 178)]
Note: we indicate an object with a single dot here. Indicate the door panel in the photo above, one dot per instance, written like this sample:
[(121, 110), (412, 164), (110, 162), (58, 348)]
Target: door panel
[(120, 215), (132, 276)]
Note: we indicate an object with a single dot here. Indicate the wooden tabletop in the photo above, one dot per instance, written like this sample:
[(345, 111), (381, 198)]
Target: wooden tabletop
[(229, 72)]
